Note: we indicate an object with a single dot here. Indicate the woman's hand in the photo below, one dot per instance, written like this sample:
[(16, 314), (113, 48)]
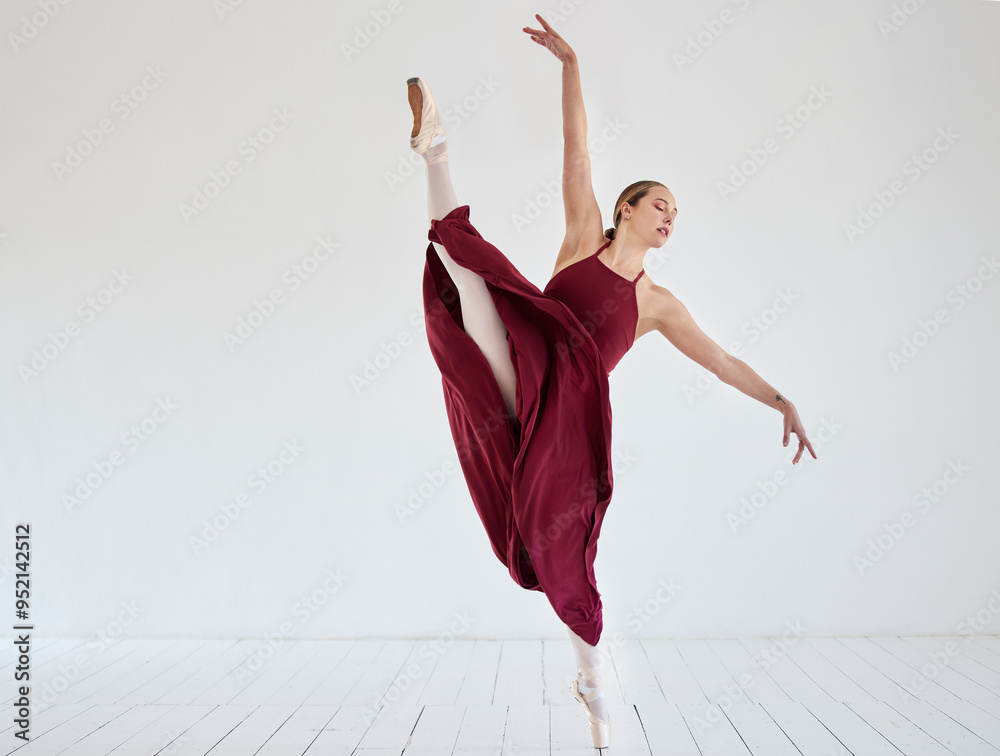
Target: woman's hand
[(794, 425), (548, 37)]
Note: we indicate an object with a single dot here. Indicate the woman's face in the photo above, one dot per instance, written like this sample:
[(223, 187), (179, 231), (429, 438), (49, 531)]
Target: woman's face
[(652, 217)]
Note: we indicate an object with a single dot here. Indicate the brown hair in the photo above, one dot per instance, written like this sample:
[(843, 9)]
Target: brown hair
[(631, 194)]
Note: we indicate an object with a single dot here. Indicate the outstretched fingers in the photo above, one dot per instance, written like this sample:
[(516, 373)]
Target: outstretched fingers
[(545, 25), (809, 446), (803, 445), (792, 426), (539, 35), (798, 453)]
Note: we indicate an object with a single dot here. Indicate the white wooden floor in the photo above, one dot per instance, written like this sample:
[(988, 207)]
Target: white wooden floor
[(823, 697)]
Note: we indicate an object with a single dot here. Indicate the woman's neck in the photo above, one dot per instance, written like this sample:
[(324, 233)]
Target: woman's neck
[(624, 253)]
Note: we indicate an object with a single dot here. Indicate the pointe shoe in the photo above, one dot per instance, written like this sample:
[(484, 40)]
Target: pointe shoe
[(428, 131), (600, 729)]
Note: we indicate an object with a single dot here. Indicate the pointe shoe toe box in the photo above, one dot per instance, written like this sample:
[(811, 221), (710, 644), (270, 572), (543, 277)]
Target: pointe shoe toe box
[(426, 118)]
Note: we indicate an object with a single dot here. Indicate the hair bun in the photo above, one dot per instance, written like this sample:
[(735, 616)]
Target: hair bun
[(610, 233)]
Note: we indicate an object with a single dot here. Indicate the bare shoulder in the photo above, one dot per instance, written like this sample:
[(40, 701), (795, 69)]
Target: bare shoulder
[(656, 304), (661, 311)]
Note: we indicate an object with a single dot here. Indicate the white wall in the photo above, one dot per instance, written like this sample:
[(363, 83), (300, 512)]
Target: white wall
[(687, 460)]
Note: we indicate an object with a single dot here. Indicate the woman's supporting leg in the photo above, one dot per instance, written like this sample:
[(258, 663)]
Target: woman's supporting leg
[(479, 313), (588, 657)]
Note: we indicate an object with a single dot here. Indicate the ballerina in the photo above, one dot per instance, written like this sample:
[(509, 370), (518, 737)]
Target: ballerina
[(525, 372)]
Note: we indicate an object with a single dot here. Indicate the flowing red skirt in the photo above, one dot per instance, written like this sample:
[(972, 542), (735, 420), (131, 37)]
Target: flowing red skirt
[(541, 482)]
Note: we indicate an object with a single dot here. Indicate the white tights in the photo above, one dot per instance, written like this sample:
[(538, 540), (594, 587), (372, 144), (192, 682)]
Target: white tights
[(479, 313), (588, 657)]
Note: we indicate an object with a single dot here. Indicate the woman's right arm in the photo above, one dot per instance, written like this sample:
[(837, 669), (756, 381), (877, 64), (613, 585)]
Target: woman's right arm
[(583, 216)]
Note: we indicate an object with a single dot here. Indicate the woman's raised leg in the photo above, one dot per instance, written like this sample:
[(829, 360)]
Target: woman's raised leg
[(479, 313)]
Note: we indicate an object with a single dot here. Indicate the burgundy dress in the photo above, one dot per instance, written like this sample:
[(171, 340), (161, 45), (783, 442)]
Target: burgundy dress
[(540, 481)]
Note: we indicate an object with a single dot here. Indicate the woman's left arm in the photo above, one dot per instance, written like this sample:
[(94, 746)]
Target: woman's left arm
[(738, 374), (672, 319)]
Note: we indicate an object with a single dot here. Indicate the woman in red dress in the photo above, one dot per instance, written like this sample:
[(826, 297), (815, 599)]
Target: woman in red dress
[(525, 372)]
